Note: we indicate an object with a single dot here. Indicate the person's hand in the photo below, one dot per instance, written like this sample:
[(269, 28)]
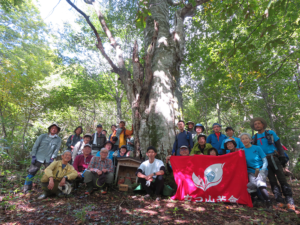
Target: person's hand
[(201, 154), (168, 158), (51, 184), (148, 177), (79, 175), (72, 146), (99, 172), (51, 160), (62, 182), (33, 159), (283, 160), (104, 170)]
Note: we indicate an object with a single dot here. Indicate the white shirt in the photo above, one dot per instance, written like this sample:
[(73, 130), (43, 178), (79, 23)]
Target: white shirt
[(149, 168)]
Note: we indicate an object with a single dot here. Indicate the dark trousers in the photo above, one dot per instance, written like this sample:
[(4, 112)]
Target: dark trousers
[(272, 174), (155, 187), (33, 169)]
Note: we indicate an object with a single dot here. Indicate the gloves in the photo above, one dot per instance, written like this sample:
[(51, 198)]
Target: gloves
[(283, 160), (148, 182), (33, 159), (51, 160)]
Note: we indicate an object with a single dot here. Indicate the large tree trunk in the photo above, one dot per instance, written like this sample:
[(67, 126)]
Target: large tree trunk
[(152, 89)]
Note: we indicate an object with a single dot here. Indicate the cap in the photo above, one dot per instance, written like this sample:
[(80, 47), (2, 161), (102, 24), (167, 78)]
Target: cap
[(124, 146), (88, 135), (54, 124), (99, 125), (87, 145), (189, 122), (216, 124), (183, 146)]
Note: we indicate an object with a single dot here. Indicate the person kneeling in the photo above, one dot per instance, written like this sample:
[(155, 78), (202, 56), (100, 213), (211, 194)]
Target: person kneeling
[(56, 176), (99, 172), (150, 174)]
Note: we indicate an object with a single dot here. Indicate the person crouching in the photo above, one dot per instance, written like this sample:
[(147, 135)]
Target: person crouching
[(99, 172), (150, 174), (56, 176)]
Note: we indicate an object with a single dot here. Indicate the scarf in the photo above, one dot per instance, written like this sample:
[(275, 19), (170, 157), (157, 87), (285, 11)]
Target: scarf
[(218, 135), (52, 136)]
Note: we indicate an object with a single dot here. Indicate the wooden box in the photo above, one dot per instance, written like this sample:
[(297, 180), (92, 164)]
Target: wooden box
[(123, 187), (127, 165)]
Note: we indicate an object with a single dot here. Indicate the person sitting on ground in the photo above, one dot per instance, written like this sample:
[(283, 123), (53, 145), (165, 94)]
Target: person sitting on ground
[(82, 162), (213, 152), (78, 149), (150, 174), (57, 175), (201, 147), (100, 168), (199, 129), (257, 165), (74, 138), (184, 151), (230, 135), (44, 151), (231, 146)]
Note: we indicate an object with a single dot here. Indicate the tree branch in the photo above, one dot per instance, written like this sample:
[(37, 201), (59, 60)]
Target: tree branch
[(283, 61), (99, 45), (189, 10)]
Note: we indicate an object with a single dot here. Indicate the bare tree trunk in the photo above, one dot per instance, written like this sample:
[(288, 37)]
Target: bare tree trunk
[(3, 124)]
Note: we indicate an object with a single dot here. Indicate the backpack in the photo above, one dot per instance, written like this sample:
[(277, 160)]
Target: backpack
[(268, 136), (187, 133)]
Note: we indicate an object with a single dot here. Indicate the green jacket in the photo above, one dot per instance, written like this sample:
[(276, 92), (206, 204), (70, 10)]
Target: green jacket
[(196, 150), (46, 148)]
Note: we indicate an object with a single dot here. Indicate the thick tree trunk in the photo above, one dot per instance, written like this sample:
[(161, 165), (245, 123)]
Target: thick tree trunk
[(153, 89)]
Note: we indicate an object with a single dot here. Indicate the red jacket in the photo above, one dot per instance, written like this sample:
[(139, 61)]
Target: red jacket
[(79, 164)]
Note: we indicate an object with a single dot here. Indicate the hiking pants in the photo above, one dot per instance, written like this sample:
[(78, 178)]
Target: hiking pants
[(33, 169), (155, 187), (90, 176), (286, 189)]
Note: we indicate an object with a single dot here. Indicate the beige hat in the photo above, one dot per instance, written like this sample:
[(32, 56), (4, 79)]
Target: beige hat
[(264, 122)]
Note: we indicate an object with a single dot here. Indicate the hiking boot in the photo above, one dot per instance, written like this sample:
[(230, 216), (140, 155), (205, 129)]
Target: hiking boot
[(89, 188), (290, 208), (27, 189), (42, 196), (269, 206), (60, 195), (257, 203), (147, 196)]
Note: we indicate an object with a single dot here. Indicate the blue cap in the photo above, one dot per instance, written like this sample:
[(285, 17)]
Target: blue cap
[(228, 140), (216, 124)]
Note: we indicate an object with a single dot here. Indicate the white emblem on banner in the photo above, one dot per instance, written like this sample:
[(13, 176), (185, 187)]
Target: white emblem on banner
[(233, 199), (212, 176)]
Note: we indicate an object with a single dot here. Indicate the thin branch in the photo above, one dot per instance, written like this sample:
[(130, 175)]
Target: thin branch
[(189, 10), (99, 44), (283, 61)]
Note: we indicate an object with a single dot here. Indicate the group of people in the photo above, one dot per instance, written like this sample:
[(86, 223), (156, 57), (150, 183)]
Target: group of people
[(93, 163)]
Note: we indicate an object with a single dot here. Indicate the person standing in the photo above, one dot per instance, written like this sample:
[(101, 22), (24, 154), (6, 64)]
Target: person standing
[(183, 138), (216, 138), (257, 165), (44, 151), (98, 140), (270, 144), (113, 128), (230, 134), (191, 129), (199, 129), (121, 133), (74, 138)]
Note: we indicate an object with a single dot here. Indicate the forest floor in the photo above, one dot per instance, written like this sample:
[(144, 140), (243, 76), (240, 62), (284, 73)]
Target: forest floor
[(129, 208)]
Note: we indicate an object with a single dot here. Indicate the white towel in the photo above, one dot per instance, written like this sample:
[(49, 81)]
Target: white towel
[(95, 139)]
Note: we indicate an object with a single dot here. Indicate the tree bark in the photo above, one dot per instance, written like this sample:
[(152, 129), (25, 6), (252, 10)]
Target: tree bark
[(153, 89)]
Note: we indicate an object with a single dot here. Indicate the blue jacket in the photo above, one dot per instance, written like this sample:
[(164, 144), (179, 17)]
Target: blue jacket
[(183, 138), (213, 140)]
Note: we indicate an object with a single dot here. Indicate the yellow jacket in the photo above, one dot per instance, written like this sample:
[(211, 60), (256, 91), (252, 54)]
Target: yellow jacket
[(122, 138), (56, 171)]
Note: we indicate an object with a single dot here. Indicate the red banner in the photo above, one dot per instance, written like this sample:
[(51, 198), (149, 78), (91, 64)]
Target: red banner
[(204, 178)]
